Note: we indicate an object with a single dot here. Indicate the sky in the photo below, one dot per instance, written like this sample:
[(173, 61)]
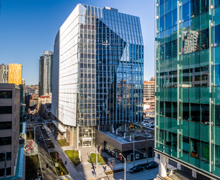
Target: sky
[(29, 27)]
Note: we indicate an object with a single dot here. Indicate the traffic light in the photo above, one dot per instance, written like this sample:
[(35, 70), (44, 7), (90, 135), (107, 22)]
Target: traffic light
[(65, 162), (47, 165)]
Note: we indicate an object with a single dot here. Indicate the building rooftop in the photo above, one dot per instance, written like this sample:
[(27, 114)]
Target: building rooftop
[(126, 140)]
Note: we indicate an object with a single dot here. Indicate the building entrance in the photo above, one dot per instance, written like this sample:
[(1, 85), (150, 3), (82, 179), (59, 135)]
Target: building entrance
[(86, 142)]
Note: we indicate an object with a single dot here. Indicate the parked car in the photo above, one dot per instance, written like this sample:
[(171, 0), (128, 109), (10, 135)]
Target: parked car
[(136, 169), (151, 165), (49, 120), (152, 126), (147, 125)]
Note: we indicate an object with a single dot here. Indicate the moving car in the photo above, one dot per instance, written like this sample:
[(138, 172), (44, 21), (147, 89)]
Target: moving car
[(151, 165), (136, 169)]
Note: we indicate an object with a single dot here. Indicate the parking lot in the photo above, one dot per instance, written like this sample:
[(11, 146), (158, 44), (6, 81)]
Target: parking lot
[(148, 123)]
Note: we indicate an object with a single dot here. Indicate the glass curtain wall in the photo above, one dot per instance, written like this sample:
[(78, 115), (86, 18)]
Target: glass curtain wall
[(187, 81), (111, 67)]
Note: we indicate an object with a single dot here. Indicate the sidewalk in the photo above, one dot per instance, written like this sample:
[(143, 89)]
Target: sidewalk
[(72, 171)]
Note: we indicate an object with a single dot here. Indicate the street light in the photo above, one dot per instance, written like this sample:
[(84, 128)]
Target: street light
[(134, 149), (124, 166)]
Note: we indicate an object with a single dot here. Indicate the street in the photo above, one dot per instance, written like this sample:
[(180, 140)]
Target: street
[(84, 169), (44, 157), (145, 175)]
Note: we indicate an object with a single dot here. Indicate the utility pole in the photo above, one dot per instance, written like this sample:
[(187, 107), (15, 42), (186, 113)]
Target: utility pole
[(134, 149)]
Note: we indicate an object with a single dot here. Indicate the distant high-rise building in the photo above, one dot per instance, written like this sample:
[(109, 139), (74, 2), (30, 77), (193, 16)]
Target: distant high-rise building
[(3, 73), (45, 73), (97, 71), (149, 93), (15, 74), (187, 121)]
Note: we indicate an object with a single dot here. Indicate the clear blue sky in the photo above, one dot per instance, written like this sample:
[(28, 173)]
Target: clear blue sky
[(28, 27)]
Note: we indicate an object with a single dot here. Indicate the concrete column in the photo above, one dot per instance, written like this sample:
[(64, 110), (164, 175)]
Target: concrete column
[(163, 166), (194, 174), (113, 128), (77, 137), (124, 135), (179, 166)]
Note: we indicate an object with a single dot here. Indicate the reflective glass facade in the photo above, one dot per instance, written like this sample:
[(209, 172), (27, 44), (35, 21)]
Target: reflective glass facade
[(98, 57), (45, 73), (111, 67), (188, 83)]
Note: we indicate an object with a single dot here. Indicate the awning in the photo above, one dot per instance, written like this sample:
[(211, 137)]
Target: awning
[(23, 128)]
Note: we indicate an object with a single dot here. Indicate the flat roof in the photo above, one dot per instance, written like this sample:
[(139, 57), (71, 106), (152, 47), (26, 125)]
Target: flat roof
[(122, 140)]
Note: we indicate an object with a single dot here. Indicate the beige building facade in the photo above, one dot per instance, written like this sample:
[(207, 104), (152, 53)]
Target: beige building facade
[(9, 127)]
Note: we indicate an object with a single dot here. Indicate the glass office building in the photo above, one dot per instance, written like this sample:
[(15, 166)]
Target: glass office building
[(45, 73), (99, 62), (188, 85)]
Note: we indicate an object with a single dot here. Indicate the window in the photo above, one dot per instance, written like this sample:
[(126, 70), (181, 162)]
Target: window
[(2, 171), (195, 6), (5, 140), (185, 145), (5, 94), (5, 125), (5, 109), (2, 156), (204, 39), (217, 35)]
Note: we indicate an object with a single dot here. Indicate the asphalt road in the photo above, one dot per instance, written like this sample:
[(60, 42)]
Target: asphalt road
[(145, 175), (50, 172)]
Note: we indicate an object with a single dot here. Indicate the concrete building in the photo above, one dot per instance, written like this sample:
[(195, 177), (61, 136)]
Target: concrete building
[(15, 74), (99, 80), (187, 121), (45, 73), (42, 100), (11, 73), (3, 73), (149, 95), (9, 131)]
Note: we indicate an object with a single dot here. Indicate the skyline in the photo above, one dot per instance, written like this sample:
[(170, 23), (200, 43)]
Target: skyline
[(27, 43)]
